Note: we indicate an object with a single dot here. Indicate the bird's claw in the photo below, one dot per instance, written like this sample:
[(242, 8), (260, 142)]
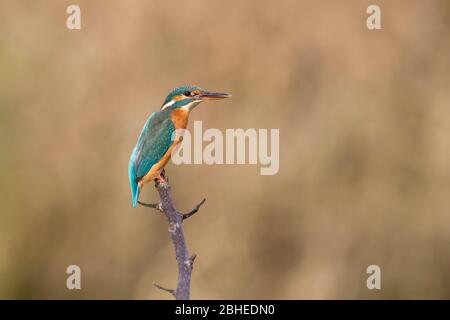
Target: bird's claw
[(161, 178)]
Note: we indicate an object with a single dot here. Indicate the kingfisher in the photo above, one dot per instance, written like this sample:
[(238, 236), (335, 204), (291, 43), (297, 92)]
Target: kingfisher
[(160, 135)]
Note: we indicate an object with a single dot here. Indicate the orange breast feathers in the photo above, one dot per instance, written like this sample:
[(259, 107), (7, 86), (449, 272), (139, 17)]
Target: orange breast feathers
[(179, 119)]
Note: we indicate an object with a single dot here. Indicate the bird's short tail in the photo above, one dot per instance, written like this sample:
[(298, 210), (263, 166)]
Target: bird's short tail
[(134, 194), (133, 184)]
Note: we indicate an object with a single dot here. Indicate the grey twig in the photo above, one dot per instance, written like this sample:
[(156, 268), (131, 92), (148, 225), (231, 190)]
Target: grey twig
[(193, 211), (184, 261), (157, 206), (171, 291)]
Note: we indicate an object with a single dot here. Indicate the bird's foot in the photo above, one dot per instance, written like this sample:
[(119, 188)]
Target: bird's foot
[(161, 178)]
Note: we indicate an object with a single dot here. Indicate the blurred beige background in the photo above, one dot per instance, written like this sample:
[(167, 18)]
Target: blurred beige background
[(364, 123)]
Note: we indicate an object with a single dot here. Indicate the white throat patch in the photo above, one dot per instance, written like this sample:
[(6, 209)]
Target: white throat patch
[(191, 105)]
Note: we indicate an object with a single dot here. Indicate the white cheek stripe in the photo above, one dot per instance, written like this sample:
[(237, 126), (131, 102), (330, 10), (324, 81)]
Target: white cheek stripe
[(188, 107), (168, 104)]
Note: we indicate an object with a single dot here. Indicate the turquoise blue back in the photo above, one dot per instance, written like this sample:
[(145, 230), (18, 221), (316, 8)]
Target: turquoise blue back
[(153, 142)]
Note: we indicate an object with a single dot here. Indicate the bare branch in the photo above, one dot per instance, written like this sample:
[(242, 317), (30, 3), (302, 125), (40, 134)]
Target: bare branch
[(193, 211), (157, 206), (190, 261), (175, 219), (171, 291)]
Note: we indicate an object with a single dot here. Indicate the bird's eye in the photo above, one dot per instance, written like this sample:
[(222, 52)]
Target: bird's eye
[(187, 93)]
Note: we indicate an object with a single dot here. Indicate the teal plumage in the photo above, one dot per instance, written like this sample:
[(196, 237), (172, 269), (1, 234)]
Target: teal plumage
[(180, 90), (153, 142), (153, 146)]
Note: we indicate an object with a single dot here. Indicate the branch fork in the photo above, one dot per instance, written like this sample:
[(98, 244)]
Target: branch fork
[(175, 218)]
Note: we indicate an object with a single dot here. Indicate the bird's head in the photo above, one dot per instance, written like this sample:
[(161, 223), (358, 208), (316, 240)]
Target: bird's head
[(190, 96)]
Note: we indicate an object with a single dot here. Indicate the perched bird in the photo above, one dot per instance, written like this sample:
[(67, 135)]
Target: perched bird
[(156, 141)]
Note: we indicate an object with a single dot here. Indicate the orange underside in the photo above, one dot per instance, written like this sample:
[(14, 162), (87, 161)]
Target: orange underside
[(179, 119)]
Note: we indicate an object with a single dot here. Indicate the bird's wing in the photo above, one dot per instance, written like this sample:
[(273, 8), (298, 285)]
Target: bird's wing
[(153, 143)]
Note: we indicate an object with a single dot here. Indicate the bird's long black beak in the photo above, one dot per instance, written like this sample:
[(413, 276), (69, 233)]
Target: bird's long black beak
[(207, 95)]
